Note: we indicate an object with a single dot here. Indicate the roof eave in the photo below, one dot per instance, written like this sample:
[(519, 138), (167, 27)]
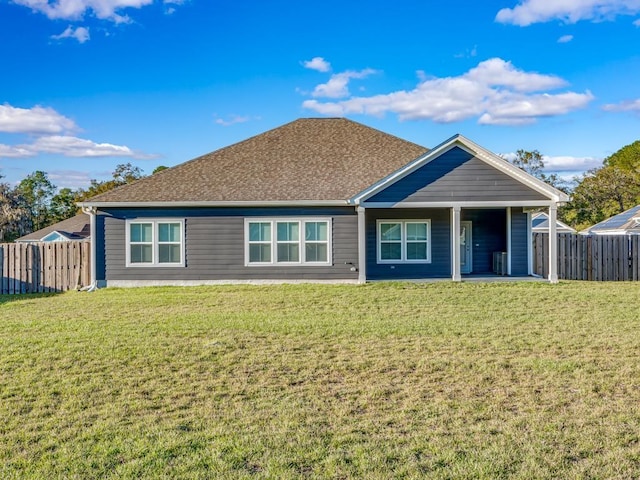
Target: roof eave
[(232, 203)]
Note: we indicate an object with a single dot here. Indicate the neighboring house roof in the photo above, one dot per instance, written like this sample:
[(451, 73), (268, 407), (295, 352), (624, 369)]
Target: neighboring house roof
[(540, 223), (74, 228), (310, 159), (627, 222)]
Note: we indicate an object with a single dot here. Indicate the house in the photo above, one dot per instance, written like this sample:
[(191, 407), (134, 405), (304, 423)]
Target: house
[(74, 228), (540, 224), (323, 200), (625, 223)]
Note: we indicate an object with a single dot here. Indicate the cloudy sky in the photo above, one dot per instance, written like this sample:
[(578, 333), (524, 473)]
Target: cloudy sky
[(88, 84)]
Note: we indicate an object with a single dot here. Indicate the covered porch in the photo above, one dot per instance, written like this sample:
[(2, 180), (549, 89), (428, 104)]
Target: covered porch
[(461, 242)]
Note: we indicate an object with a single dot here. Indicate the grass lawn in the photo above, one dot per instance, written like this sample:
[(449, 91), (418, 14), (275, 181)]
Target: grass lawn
[(440, 380)]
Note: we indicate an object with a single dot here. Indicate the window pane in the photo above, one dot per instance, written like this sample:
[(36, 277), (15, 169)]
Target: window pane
[(259, 232), (391, 231), (141, 232), (169, 253), (288, 231), (259, 252), (316, 231), (169, 232), (288, 252), (390, 251), (417, 231), (141, 253), (417, 251), (316, 252)]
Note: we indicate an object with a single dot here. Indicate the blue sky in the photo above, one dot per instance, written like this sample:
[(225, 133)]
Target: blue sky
[(88, 84)]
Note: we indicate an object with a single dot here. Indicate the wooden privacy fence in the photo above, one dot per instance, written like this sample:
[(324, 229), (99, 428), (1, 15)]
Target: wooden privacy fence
[(590, 257), (44, 267)]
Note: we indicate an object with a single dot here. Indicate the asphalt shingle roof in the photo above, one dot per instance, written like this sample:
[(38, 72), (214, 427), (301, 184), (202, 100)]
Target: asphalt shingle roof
[(76, 228), (315, 159)]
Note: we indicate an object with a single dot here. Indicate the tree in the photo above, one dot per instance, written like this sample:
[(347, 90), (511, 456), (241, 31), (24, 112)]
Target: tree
[(602, 193), (37, 191), (123, 174), (14, 216), (63, 205), (159, 169), (627, 158), (532, 162)]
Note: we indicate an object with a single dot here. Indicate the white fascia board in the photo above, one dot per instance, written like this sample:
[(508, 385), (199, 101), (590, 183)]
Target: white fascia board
[(490, 204), (473, 149), (513, 171), (179, 204)]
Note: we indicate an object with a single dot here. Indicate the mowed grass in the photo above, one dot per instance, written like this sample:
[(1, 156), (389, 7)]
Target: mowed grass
[(396, 380)]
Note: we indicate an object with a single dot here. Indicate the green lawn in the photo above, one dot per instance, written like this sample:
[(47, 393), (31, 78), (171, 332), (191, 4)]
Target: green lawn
[(440, 380)]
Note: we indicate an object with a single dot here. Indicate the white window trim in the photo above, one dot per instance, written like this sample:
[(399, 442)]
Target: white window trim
[(403, 240), (155, 242), (301, 241)]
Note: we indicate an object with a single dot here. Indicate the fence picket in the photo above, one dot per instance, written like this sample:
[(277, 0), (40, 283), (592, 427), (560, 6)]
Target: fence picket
[(44, 267), (590, 257)]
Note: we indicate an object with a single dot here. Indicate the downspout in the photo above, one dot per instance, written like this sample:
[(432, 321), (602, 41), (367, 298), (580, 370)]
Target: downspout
[(91, 211)]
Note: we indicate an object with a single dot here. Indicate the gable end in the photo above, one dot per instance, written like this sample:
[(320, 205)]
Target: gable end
[(456, 176)]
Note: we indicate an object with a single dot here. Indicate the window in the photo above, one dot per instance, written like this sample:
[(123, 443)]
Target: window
[(153, 243), (288, 241), (405, 241)]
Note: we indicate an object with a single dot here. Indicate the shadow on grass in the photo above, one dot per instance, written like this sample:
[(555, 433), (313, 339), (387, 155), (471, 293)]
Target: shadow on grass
[(26, 296)]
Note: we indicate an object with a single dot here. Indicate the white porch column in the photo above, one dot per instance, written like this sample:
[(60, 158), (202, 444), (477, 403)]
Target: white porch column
[(529, 246), (553, 244), (455, 244), (362, 246), (509, 241), (91, 211)]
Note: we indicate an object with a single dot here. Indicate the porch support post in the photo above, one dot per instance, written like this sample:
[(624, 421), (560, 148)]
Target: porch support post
[(553, 244), (362, 246), (455, 244), (92, 211), (529, 246), (509, 241)]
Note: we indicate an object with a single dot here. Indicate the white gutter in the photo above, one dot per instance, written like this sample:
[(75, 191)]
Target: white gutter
[(178, 204)]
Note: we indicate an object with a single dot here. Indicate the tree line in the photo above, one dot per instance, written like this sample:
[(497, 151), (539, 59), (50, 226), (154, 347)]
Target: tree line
[(596, 195), (35, 202)]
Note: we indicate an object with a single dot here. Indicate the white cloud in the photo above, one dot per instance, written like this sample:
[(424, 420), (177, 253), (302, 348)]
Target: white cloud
[(528, 12), (637, 23), (9, 151), (69, 178), (624, 106), (233, 119), (317, 63), (496, 72), (78, 147), (337, 86), (513, 109), (76, 9), (81, 34), (36, 120), (564, 163), (565, 39), (494, 91)]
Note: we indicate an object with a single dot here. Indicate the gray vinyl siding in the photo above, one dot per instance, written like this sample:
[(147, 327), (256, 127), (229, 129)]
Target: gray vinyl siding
[(489, 234), (519, 243), (215, 245), (456, 176), (440, 266)]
